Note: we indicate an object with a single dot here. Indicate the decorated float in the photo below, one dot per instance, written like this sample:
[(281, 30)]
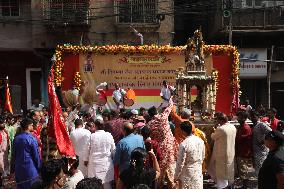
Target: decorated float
[(206, 76), (195, 74)]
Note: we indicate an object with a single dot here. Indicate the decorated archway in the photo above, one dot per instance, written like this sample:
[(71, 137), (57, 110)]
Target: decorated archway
[(143, 68)]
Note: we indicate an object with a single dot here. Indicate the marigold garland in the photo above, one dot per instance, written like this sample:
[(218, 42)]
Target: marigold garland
[(216, 81), (77, 81), (230, 50), (146, 49)]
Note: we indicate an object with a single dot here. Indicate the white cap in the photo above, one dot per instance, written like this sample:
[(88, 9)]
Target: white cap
[(104, 84), (135, 112), (75, 92), (99, 117)]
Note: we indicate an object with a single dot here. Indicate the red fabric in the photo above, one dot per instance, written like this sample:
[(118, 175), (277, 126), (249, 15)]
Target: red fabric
[(8, 101), (103, 94), (273, 124), (116, 172), (153, 144), (56, 126), (244, 141), (36, 134), (69, 71), (227, 102), (115, 128), (223, 63)]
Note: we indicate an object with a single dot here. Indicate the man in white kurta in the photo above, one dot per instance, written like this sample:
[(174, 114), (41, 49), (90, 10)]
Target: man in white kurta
[(101, 151), (221, 167), (189, 163), (80, 138), (166, 93)]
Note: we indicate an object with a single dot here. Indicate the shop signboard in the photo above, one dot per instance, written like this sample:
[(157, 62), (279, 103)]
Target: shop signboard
[(253, 62)]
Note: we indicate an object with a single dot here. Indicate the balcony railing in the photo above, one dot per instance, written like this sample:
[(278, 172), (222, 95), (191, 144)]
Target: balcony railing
[(265, 18), (136, 11), (67, 12)]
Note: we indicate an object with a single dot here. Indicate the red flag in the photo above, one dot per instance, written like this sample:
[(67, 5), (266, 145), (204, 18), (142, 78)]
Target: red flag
[(8, 101), (56, 125)]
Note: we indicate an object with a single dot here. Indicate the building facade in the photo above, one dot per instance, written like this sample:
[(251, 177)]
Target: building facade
[(31, 29), (256, 27)]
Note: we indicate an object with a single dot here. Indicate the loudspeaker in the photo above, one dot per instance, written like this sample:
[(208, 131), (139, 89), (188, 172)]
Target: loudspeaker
[(15, 91)]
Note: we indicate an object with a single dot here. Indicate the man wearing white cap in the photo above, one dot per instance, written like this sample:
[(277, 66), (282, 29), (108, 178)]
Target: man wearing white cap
[(134, 113)]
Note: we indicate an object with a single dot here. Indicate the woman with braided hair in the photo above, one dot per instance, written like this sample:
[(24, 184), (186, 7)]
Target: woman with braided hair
[(138, 173)]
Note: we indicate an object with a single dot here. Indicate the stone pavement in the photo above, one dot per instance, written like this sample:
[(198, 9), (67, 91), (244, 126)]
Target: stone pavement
[(252, 183)]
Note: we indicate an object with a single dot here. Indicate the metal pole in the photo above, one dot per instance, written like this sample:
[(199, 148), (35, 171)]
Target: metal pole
[(269, 76), (230, 30)]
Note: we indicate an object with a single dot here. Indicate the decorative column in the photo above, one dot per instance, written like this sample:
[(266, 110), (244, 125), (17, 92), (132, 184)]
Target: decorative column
[(184, 95), (214, 95), (178, 93), (211, 101), (205, 98), (189, 96)]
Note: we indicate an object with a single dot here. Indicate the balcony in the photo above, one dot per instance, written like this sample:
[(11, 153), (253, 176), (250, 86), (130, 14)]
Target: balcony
[(138, 13), (266, 16), (67, 13)]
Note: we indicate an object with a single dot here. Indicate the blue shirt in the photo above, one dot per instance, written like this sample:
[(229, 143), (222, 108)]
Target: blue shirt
[(27, 159), (124, 148)]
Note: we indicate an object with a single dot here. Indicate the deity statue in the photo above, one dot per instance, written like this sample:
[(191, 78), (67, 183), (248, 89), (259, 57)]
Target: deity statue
[(194, 57)]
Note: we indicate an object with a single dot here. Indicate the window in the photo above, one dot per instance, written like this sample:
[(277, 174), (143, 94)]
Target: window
[(136, 11), (248, 3), (256, 3), (67, 11), (10, 7)]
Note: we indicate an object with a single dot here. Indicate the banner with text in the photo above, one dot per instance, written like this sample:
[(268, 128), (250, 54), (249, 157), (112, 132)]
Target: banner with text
[(142, 73)]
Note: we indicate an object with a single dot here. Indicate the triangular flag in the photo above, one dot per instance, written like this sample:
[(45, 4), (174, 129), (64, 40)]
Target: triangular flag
[(8, 101)]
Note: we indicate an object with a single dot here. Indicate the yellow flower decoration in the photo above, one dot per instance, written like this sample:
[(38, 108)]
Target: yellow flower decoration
[(77, 81), (145, 49)]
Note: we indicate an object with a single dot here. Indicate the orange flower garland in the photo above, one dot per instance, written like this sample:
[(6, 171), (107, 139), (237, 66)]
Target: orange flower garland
[(58, 67), (108, 49), (77, 81), (146, 49), (230, 50)]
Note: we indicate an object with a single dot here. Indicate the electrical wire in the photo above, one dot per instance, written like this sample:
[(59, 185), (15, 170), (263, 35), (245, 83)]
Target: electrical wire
[(181, 7)]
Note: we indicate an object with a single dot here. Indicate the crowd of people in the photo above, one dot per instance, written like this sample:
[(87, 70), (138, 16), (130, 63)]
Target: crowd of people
[(154, 148)]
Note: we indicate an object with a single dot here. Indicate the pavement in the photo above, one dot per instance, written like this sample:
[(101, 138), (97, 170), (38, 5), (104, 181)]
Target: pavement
[(252, 181)]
